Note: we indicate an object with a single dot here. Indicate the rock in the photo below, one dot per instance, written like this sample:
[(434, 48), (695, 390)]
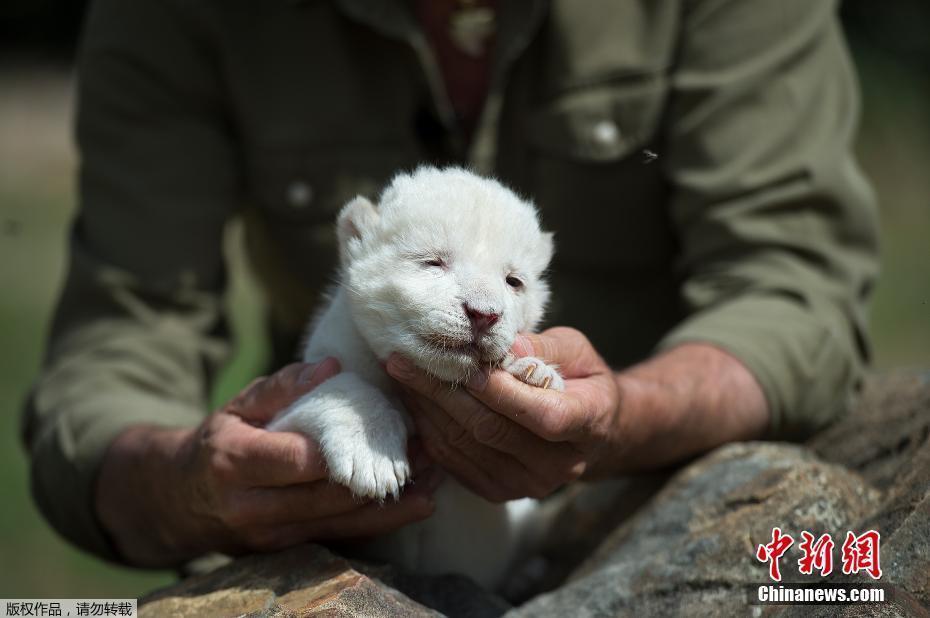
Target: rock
[(883, 434), (886, 440), (651, 547), (691, 551), (586, 514), (452, 595), (311, 581)]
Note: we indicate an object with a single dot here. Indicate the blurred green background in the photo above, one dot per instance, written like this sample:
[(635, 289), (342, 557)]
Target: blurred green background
[(37, 164)]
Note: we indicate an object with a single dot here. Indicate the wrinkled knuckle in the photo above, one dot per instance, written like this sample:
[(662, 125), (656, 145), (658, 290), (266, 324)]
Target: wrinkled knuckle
[(457, 436), (221, 467), (205, 435), (232, 512), (492, 431)]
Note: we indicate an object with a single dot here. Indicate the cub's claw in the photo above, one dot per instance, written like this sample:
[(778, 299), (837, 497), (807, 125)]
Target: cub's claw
[(535, 372), (529, 372), (368, 473)]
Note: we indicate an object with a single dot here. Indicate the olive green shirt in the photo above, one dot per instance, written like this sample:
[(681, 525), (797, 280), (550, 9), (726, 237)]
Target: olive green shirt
[(753, 230)]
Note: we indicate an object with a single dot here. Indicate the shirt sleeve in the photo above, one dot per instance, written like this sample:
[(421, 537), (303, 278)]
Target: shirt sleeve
[(776, 224), (138, 331)]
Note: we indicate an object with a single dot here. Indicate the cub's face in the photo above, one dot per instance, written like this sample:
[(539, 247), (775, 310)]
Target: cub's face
[(445, 271)]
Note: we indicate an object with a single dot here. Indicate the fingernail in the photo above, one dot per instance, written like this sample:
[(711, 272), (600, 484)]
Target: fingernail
[(315, 371), (400, 368), (522, 346), (307, 373), (478, 381)]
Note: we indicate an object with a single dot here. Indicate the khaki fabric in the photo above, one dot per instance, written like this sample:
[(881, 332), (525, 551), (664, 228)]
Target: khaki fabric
[(753, 230)]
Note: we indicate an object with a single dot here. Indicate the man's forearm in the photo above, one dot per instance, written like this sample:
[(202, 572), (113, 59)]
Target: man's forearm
[(136, 496), (683, 402)]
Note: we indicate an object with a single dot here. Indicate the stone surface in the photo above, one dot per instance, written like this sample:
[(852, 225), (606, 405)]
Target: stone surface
[(654, 545), (691, 550), (301, 581), (311, 581)]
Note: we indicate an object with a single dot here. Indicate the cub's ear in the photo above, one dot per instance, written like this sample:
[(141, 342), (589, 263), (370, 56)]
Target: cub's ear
[(356, 222)]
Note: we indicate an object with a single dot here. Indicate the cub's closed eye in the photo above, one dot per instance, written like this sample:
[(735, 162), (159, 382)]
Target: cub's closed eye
[(514, 282), (435, 263)]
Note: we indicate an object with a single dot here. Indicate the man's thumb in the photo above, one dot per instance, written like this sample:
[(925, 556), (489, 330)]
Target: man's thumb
[(265, 397), (563, 346)]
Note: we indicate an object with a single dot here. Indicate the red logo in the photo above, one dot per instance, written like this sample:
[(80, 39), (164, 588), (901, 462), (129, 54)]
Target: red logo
[(860, 553), (771, 552), (817, 554)]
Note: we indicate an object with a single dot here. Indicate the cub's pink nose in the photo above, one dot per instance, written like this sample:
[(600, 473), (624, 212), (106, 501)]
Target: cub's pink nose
[(481, 321)]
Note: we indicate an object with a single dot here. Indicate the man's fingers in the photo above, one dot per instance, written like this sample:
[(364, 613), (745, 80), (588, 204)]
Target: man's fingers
[(489, 431), (265, 397), (296, 503), (495, 475), (549, 414), (261, 458), (434, 437), (559, 460), (460, 407), (372, 519), (562, 346)]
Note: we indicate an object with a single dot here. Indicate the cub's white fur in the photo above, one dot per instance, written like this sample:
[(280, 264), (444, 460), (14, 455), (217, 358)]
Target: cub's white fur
[(446, 270)]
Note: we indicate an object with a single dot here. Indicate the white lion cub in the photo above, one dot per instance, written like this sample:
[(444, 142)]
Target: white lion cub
[(446, 270)]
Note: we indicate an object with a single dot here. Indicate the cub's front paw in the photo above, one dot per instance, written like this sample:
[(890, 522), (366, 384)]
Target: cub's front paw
[(370, 471), (535, 372), (369, 474), (367, 454)]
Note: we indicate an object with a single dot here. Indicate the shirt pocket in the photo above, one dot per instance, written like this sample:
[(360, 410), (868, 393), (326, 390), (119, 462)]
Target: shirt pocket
[(594, 176), (308, 186), (602, 123), (295, 195)]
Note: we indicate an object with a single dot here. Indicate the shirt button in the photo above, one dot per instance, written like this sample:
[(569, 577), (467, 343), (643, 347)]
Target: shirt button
[(299, 194), (605, 132)]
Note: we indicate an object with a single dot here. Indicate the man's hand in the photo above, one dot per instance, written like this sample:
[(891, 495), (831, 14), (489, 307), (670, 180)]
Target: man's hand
[(505, 439), (169, 495)]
